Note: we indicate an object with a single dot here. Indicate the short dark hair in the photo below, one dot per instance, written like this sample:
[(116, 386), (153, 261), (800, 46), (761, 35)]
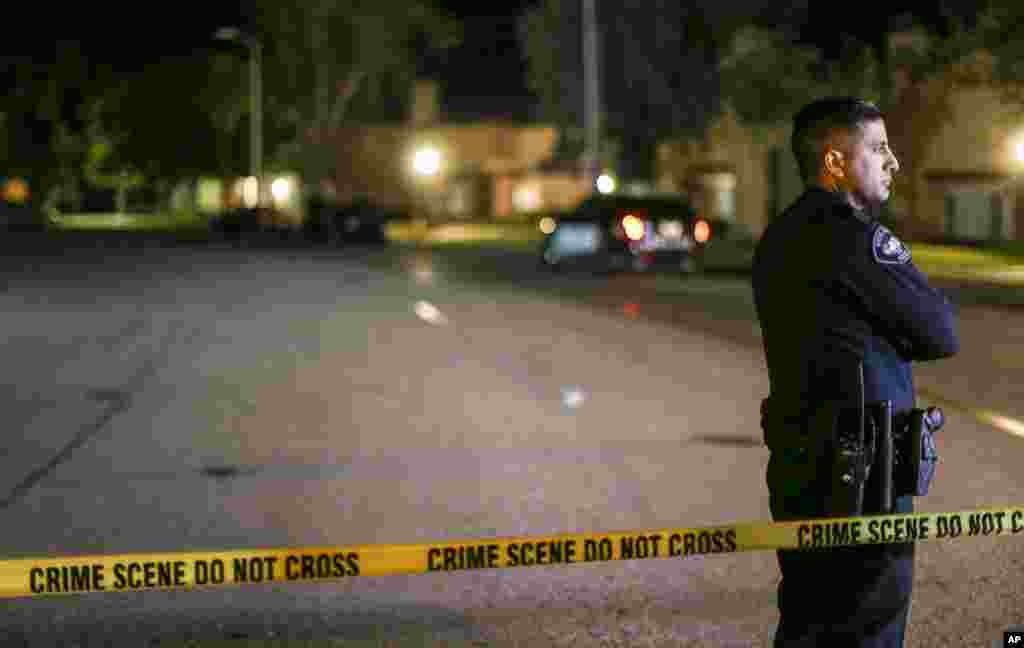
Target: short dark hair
[(819, 120)]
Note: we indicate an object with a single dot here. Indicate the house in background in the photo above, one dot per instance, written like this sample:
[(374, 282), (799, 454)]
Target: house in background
[(970, 185), (488, 169), (966, 183), (734, 173)]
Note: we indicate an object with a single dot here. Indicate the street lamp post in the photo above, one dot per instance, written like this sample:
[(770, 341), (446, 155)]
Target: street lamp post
[(256, 101), (591, 91)]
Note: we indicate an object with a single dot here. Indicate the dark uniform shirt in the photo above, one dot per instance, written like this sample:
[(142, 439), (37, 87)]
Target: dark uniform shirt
[(832, 284), (834, 288)]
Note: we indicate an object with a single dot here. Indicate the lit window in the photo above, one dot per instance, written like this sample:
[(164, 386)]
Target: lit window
[(281, 189), (526, 198)]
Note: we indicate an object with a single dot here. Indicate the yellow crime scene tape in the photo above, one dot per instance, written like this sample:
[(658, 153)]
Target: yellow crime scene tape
[(32, 577)]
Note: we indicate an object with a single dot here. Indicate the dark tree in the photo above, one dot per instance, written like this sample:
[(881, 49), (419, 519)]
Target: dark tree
[(319, 55), (659, 67)]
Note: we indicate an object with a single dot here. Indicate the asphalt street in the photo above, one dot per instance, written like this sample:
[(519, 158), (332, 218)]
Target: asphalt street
[(195, 398)]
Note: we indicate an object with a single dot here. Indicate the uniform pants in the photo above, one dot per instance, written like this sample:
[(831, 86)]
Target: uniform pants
[(844, 596)]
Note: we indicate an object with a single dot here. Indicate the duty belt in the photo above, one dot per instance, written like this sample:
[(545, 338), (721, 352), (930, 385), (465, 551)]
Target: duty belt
[(852, 440)]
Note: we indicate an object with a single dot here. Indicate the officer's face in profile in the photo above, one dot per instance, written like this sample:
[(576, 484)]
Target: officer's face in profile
[(864, 169)]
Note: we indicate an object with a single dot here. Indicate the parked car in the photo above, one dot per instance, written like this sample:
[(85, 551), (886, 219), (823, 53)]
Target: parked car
[(237, 223), (624, 233), (359, 222), (21, 218), (243, 222)]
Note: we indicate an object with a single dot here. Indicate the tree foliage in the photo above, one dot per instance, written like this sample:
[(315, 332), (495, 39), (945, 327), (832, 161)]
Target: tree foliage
[(188, 115), (177, 119), (318, 54), (555, 73), (767, 75), (41, 137), (72, 122), (658, 71), (997, 32)]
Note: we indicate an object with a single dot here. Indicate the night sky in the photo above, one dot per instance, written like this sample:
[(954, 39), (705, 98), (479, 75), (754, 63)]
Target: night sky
[(487, 72), (485, 75)]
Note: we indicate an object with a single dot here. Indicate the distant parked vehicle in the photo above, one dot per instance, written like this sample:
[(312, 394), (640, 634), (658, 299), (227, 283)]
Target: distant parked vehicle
[(232, 223), (242, 222), (625, 233), (15, 217), (359, 222)]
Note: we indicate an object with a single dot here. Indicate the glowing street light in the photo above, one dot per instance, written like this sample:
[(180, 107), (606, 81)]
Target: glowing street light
[(605, 183), (427, 161)]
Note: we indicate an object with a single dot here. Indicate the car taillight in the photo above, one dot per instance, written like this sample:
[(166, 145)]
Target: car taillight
[(633, 227), (702, 231)]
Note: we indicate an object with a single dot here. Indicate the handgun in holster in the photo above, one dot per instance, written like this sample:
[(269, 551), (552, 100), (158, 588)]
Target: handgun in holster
[(874, 450), (916, 456), (906, 455)]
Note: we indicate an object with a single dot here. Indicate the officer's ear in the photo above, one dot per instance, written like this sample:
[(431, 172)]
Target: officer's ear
[(834, 163)]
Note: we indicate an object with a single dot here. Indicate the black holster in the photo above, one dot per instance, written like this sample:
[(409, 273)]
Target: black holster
[(915, 456), (881, 454), (864, 455), (842, 426)]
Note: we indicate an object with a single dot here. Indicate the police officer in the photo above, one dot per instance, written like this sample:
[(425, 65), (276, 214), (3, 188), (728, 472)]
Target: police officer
[(842, 307)]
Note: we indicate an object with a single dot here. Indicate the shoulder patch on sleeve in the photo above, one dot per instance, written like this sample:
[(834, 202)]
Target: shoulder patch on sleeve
[(887, 248)]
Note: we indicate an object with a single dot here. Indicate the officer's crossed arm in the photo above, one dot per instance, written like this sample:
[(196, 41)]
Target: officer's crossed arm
[(892, 289)]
